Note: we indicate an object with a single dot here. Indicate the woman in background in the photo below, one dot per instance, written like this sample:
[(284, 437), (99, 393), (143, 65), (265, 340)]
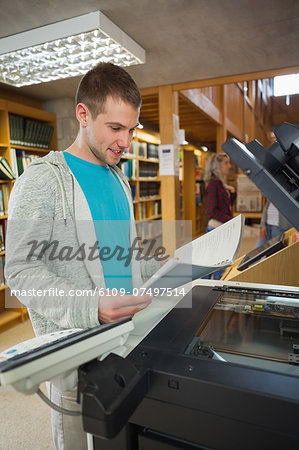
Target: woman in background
[(219, 196), (272, 223)]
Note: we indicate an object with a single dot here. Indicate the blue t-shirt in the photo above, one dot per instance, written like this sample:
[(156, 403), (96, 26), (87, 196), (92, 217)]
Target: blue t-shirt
[(111, 215)]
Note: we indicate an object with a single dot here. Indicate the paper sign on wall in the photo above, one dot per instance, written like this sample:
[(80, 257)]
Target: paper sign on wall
[(167, 159)]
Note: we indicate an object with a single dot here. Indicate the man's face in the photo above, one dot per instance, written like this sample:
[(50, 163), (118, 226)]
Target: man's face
[(110, 134)]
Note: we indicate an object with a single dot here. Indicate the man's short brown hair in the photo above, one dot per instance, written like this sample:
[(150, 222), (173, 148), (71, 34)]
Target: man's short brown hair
[(105, 80)]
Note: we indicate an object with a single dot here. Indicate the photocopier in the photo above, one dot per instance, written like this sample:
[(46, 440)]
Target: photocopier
[(216, 367)]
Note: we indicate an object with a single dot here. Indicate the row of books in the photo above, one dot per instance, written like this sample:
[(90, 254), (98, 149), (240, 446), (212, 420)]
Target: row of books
[(198, 160), (148, 170), (138, 148), (144, 150), (149, 189), (29, 132), (20, 160), (129, 168), (150, 209)]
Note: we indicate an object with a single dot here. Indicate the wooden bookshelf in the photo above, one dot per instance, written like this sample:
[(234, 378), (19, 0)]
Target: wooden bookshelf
[(12, 316), (142, 170)]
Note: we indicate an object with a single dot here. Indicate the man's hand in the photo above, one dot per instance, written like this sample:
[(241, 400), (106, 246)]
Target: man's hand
[(113, 308), (163, 261), (263, 233)]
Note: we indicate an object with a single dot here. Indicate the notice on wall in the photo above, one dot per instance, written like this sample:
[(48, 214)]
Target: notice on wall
[(167, 159)]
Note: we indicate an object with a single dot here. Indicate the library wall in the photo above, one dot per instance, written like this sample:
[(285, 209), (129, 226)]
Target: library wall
[(67, 124)]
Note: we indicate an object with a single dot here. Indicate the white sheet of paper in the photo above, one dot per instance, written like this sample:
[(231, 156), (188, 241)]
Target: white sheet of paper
[(215, 248), (167, 159)]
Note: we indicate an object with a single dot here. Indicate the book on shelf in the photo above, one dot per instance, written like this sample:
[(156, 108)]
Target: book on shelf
[(213, 251), (2, 240), (152, 151), (142, 147), (5, 188), (13, 158), (133, 189), (142, 211), (1, 203), (2, 280), (6, 172)]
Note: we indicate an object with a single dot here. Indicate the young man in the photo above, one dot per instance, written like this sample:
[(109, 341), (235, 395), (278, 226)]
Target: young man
[(67, 212)]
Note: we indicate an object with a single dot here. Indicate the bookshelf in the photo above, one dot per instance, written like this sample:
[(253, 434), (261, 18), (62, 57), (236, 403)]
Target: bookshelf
[(10, 149), (141, 167)]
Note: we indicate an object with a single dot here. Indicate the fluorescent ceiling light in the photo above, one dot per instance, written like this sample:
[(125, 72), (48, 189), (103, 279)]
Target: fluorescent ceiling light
[(65, 49)]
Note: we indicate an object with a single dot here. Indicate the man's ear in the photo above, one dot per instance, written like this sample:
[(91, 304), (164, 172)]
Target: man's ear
[(82, 114)]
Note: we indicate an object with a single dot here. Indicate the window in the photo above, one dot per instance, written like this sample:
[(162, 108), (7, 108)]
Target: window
[(286, 84)]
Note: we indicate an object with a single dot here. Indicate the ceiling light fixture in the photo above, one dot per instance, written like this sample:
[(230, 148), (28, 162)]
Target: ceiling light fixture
[(65, 49), (204, 148)]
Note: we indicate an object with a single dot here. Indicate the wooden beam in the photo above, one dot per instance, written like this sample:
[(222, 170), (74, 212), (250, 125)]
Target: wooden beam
[(235, 78), (204, 104), (221, 132), (149, 91), (189, 188), (168, 106), (234, 130)]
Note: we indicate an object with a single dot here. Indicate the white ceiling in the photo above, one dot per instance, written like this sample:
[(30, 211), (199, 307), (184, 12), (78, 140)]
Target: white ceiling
[(184, 40)]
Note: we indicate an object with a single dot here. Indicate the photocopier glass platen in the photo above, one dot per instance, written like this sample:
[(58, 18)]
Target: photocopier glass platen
[(253, 327)]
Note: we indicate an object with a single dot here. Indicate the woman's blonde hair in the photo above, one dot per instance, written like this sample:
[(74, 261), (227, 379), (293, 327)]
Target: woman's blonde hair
[(213, 167)]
